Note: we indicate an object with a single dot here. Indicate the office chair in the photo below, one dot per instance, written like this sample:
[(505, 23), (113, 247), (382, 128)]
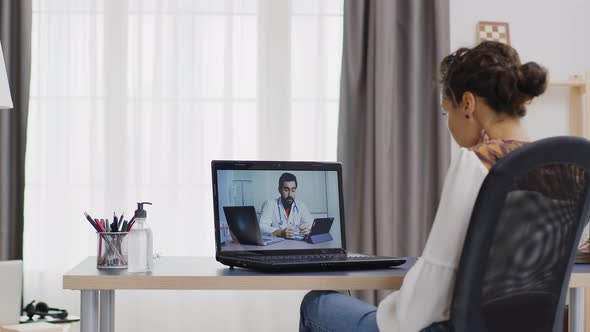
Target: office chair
[(522, 239)]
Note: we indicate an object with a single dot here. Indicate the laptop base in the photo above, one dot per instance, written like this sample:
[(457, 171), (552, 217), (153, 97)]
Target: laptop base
[(315, 239), (376, 262)]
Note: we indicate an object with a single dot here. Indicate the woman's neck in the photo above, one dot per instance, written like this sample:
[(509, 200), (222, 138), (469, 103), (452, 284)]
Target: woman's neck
[(507, 128)]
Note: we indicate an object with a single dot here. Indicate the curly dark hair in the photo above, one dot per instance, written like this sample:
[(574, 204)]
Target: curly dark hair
[(493, 71), (287, 177)]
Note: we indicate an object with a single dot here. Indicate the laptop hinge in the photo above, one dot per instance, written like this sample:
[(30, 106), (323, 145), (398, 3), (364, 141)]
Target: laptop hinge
[(334, 251)]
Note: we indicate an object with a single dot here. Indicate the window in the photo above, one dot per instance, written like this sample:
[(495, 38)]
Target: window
[(131, 100)]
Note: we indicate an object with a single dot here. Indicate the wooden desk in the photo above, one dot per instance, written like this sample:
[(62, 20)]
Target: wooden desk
[(284, 245), (202, 273)]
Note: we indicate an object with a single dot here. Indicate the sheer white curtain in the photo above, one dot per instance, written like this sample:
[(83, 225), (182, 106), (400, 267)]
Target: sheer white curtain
[(131, 100)]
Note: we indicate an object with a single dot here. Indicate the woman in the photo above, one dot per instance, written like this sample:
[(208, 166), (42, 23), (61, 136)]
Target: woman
[(485, 90)]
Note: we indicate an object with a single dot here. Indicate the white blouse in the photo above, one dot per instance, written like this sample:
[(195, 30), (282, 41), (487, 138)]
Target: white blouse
[(425, 295)]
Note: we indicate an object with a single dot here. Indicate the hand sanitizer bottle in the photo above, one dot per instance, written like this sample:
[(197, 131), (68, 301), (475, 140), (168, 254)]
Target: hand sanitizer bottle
[(140, 242)]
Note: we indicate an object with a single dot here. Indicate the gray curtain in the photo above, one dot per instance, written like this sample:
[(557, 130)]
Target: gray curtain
[(15, 36), (392, 140)]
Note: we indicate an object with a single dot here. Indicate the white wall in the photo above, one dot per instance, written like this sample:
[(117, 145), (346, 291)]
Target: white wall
[(554, 33), (256, 187)]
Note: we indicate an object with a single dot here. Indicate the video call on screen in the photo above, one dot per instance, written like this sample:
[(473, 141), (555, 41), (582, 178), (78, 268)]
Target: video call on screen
[(256, 214)]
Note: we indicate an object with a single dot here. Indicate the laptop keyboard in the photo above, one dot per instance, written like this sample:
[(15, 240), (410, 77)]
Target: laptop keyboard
[(309, 258)]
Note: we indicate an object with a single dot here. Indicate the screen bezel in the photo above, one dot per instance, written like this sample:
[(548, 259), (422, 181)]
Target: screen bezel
[(217, 165)]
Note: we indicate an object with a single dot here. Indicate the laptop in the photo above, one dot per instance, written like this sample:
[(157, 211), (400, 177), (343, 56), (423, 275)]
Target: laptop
[(243, 224), (11, 280), (281, 195)]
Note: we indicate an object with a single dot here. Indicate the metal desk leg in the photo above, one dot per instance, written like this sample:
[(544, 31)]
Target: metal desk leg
[(89, 311), (576, 311), (107, 310)]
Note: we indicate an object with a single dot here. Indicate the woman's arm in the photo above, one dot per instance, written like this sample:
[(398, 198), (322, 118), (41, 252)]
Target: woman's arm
[(426, 292)]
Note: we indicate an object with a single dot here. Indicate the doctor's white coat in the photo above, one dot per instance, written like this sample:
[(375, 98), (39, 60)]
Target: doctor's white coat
[(274, 216)]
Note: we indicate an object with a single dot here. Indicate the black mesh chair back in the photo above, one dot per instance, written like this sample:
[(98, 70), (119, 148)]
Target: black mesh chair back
[(522, 239)]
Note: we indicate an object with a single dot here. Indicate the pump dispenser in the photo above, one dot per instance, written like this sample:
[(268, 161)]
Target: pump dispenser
[(140, 241)]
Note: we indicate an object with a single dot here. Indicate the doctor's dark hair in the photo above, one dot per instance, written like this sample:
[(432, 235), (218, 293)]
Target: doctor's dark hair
[(287, 177), (493, 71)]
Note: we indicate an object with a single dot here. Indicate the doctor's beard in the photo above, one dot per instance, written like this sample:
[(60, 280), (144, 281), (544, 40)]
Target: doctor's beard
[(287, 202)]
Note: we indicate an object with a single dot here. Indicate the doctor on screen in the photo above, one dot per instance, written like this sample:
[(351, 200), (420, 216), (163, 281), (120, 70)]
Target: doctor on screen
[(284, 216)]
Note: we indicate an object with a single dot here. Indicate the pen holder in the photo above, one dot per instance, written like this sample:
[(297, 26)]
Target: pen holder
[(112, 250)]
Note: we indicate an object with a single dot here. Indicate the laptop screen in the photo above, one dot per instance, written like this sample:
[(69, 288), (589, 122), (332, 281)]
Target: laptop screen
[(261, 209)]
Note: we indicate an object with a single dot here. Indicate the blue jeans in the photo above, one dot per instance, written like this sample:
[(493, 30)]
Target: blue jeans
[(327, 311)]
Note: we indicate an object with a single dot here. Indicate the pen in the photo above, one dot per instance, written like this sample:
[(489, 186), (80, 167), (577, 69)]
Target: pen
[(99, 225), (130, 224), (89, 218), (99, 229), (94, 225), (118, 222), (124, 227), (121, 222), (114, 225)]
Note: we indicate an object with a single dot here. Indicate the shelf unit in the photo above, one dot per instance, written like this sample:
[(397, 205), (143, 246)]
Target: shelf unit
[(579, 92)]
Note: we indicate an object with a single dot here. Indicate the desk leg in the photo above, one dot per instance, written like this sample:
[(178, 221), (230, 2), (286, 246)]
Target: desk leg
[(89, 311), (107, 310), (576, 318)]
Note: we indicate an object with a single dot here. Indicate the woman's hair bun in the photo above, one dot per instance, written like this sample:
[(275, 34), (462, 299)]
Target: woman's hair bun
[(532, 79), (493, 71)]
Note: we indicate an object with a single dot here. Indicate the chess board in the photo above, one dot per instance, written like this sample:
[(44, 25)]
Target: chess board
[(495, 31)]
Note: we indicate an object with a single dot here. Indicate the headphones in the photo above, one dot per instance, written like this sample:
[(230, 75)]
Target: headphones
[(42, 309)]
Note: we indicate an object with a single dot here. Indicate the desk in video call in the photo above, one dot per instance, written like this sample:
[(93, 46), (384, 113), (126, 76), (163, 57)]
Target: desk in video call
[(287, 244)]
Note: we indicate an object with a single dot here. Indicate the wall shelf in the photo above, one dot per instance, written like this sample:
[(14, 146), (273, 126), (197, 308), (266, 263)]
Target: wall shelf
[(579, 91), (579, 94)]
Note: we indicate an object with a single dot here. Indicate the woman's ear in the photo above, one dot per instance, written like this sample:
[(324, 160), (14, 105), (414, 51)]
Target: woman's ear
[(468, 104)]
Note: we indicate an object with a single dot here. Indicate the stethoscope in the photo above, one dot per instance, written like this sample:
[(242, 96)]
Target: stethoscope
[(279, 209)]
